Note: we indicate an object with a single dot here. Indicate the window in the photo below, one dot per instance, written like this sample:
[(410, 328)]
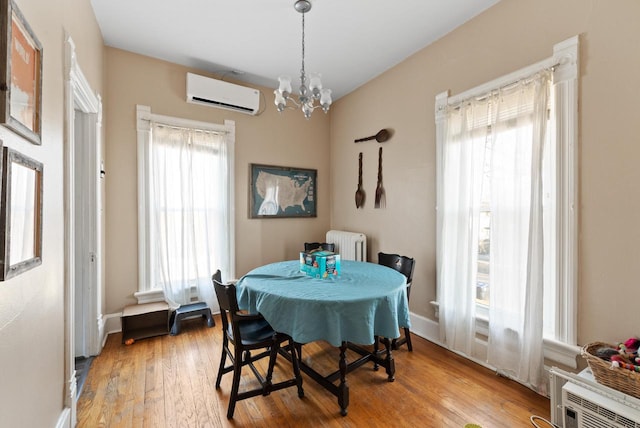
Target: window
[(185, 192), (490, 163), (485, 175)]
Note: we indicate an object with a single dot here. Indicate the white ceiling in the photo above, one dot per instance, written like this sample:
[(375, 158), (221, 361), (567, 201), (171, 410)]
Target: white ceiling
[(348, 41)]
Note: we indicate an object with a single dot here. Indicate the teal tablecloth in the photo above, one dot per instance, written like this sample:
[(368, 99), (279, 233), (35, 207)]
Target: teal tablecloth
[(366, 300)]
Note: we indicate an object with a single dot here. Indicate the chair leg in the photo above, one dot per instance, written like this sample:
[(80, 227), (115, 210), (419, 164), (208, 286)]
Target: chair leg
[(407, 335), (235, 386), (266, 387), (223, 359), (295, 360)]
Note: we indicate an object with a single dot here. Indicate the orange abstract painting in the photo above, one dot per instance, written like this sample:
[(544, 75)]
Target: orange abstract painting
[(24, 75)]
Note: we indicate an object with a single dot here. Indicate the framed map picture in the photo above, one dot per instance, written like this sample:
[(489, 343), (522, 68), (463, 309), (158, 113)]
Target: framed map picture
[(278, 192), (20, 74)]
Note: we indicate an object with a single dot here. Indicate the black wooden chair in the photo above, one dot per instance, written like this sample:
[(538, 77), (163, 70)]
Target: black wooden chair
[(405, 266), (249, 332), (310, 246)]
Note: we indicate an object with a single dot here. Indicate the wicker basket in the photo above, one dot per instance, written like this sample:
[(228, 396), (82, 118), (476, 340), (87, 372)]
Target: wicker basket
[(619, 378)]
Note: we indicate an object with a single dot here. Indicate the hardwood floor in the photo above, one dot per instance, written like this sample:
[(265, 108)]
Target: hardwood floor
[(169, 381)]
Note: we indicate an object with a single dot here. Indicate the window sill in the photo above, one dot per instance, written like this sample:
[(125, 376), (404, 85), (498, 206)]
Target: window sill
[(157, 295), (559, 352), (149, 296)]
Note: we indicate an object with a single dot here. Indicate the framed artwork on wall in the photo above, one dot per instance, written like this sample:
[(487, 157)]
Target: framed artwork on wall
[(20, 214), (20, 74), (280, 192)]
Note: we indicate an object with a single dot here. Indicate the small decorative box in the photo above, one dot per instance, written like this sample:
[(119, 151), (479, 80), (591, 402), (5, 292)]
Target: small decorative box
[(320, 264)]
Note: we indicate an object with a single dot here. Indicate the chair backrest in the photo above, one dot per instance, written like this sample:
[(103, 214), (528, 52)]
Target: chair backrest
[(227, 300), (310, 246), (402, 264)]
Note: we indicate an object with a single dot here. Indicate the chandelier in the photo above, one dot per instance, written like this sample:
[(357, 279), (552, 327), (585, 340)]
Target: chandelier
[(308, 95)]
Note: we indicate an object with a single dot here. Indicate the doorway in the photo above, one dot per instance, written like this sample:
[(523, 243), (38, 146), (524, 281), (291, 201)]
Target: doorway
[(86, 227), (83, 226), (87, 233)]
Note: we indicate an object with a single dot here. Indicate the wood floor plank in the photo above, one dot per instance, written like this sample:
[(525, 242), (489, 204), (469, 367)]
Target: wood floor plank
[(169, 381), (138, 387), (206, 377), (153, 413)]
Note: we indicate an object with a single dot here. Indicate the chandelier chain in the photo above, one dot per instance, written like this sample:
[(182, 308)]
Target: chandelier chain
[(303, 44)]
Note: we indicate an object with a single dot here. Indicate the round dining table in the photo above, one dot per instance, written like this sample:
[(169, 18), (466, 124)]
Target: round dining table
[(361, 304), (364, 301)]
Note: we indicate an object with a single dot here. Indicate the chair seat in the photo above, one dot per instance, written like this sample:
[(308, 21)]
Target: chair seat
[(252, 332)]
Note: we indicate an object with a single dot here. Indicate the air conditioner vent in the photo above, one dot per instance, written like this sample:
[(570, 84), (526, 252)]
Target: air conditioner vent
[(222, 105), (591, 406), (573, 398), (627, 423), (217, 93)]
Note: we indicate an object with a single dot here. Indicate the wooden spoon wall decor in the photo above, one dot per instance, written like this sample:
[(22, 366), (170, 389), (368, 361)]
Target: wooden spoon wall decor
[(382, 136)]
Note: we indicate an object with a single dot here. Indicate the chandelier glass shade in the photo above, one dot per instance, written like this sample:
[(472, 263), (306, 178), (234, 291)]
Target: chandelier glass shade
[(311, 94)]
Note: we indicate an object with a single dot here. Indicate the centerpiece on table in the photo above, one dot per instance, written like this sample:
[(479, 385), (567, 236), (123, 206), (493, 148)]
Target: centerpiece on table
[(319, 263)]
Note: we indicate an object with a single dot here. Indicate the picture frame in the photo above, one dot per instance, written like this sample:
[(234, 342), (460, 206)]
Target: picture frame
[(282, 192), (20, 74), (20, 214)]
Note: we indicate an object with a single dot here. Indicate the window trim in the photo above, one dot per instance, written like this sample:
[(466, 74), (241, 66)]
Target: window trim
[(144, 117), (565, 64)]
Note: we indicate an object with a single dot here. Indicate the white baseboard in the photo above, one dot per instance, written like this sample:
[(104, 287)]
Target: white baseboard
[(102, 337), (421, 326), (64, 420), (553, 351), (425, 328), (112, 324)]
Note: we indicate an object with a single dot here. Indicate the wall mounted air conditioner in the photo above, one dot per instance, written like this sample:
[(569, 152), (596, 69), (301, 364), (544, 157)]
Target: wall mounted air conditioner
[(585, 406), (216, 93)]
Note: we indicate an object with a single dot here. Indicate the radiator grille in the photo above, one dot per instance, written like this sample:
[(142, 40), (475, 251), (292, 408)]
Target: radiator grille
[(350, 245)]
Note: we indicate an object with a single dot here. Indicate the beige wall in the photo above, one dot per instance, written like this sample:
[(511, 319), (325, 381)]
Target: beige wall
[(32, 304), (269, 138), (510, 35)]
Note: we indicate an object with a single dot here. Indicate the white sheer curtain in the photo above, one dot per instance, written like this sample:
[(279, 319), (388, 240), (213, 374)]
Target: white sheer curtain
[(497, 141), (189, 211), (516, 263), (463, 153)]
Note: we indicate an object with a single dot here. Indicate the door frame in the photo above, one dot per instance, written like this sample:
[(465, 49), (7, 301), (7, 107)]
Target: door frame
[(78, 95)]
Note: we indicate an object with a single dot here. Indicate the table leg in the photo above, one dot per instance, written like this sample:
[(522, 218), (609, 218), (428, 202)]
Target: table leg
[(390, 363), (343, 388), (376, 339)]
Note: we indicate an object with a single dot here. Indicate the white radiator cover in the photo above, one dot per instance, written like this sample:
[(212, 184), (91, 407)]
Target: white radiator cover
[(350, 245)]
